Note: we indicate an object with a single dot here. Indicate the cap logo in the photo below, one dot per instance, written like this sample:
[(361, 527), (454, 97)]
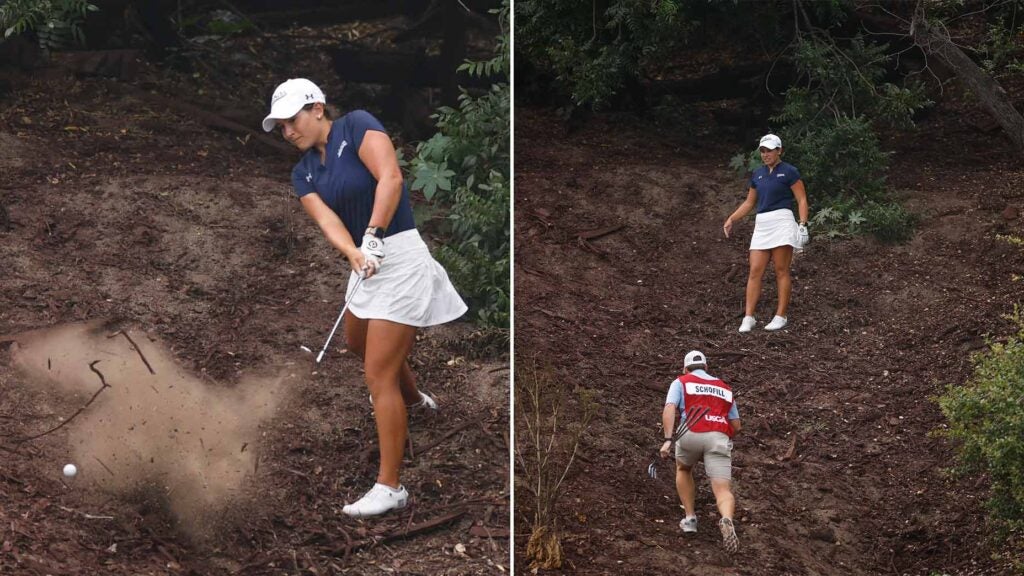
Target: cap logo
[(277, 96), (310, 96)]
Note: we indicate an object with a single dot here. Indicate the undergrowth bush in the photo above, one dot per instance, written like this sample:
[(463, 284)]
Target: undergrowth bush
[(57, 24), (593, 50), (465, 168), (827, 135), (986, 418)]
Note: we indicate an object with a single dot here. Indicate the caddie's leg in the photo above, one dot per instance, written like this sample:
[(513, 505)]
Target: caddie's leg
[(686, 489), (387, 346), (782, 256), (758, 264), (723, 496), (355, 337)]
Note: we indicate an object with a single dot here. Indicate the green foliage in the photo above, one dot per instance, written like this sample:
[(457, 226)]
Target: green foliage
[(839, 160), (465, 168), (56, 23), (593, 52), (847, 81), (1003, 51), (825, 123), (986, 418)]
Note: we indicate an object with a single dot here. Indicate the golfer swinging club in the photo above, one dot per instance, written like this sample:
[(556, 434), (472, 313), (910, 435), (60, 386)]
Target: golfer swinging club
[(709, 439), (349, 182)]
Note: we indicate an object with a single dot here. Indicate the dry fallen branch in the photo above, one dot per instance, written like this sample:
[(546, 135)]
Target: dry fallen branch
[(135, 347), (398, 534), (92, 366), (446, 436)]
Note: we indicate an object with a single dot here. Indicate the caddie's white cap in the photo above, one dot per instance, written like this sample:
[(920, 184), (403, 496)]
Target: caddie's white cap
[(289, 97), (694, 357), (770, 141)]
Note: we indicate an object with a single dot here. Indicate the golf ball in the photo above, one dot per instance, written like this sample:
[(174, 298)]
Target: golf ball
[(70, 470)]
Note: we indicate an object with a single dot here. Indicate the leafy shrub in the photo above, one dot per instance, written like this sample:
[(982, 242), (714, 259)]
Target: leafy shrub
[(466, 167), (594, 50), (56, 23), (986, 418)]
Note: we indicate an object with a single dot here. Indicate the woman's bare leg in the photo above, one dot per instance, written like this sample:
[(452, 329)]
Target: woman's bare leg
[(758, 263)]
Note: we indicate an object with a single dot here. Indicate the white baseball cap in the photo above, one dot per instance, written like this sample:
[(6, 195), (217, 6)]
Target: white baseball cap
[(289, 97), (694, 357), (770, 141)]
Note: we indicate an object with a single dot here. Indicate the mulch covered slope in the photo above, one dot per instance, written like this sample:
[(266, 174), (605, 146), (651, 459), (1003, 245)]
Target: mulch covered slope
[(621, 268)]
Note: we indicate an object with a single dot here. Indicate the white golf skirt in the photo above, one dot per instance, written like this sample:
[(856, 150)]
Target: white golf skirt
[(410, 288), (774, 229)]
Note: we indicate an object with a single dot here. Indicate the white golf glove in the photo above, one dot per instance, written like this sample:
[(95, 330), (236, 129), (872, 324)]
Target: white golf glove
[(803, 237), (373, 252)]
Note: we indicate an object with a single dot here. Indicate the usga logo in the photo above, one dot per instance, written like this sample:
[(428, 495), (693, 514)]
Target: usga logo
[(711, 418)]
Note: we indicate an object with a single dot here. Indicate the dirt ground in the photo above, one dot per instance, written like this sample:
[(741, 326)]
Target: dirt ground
[(143, 250), (836, 471)]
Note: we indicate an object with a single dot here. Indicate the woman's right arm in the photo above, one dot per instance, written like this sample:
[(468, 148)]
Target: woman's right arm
[(333, 228), (741, 211)]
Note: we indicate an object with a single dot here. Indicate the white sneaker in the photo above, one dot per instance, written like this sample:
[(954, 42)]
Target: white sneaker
[(748, 324), (380, 499), (777, 323), (425, 402), (688, 524)]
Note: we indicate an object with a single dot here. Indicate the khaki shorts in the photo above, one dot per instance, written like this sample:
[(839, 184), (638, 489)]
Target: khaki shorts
[(714, 448)]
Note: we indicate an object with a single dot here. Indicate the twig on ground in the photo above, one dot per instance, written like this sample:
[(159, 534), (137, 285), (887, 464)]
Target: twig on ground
[(92, 366), (109, 471), (135, 347), (87, 516), (446, 436), (398, 534)]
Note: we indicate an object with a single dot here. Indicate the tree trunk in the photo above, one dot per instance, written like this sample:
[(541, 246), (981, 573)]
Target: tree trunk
[(993, 98)]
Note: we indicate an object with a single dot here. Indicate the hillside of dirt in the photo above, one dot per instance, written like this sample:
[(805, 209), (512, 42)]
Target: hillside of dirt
[(157, 280), (621, 268)]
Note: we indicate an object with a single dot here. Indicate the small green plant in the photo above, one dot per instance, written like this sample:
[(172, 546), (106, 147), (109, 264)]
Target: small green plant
[(986, 419), (56, 23)]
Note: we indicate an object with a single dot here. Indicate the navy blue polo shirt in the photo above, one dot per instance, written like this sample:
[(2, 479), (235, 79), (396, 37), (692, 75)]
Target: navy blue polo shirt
[(344, 182), (774, 187)]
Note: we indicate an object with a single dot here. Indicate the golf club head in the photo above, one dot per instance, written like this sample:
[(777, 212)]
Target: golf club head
[(652, 470)]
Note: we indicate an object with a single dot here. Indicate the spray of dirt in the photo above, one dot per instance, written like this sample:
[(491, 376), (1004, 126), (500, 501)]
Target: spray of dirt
[(155, 425)]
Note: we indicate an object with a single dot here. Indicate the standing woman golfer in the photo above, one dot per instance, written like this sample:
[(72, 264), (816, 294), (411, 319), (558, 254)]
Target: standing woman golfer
[(349, 182), (773, 188)]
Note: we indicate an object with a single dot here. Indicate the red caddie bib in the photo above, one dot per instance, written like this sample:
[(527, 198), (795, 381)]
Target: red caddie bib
[(711, 393)]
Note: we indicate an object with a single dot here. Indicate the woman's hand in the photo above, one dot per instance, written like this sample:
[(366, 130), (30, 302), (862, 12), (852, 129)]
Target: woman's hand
[(356, 260), (372, 249), (665, 448), (727, 227)]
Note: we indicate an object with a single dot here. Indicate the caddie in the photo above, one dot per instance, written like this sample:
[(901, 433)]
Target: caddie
[(709, 439)]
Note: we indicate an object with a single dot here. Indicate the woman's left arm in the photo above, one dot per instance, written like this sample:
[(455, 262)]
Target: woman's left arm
[(801, 200), (378, 155)]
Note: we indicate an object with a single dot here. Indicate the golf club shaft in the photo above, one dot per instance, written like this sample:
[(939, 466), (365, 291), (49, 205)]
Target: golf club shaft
[(320, 356)]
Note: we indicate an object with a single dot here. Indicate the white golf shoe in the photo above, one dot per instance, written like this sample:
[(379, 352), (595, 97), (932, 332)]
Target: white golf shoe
[(426, 403), (748, 324), (380, 499), (688, 524), (777, 323)]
